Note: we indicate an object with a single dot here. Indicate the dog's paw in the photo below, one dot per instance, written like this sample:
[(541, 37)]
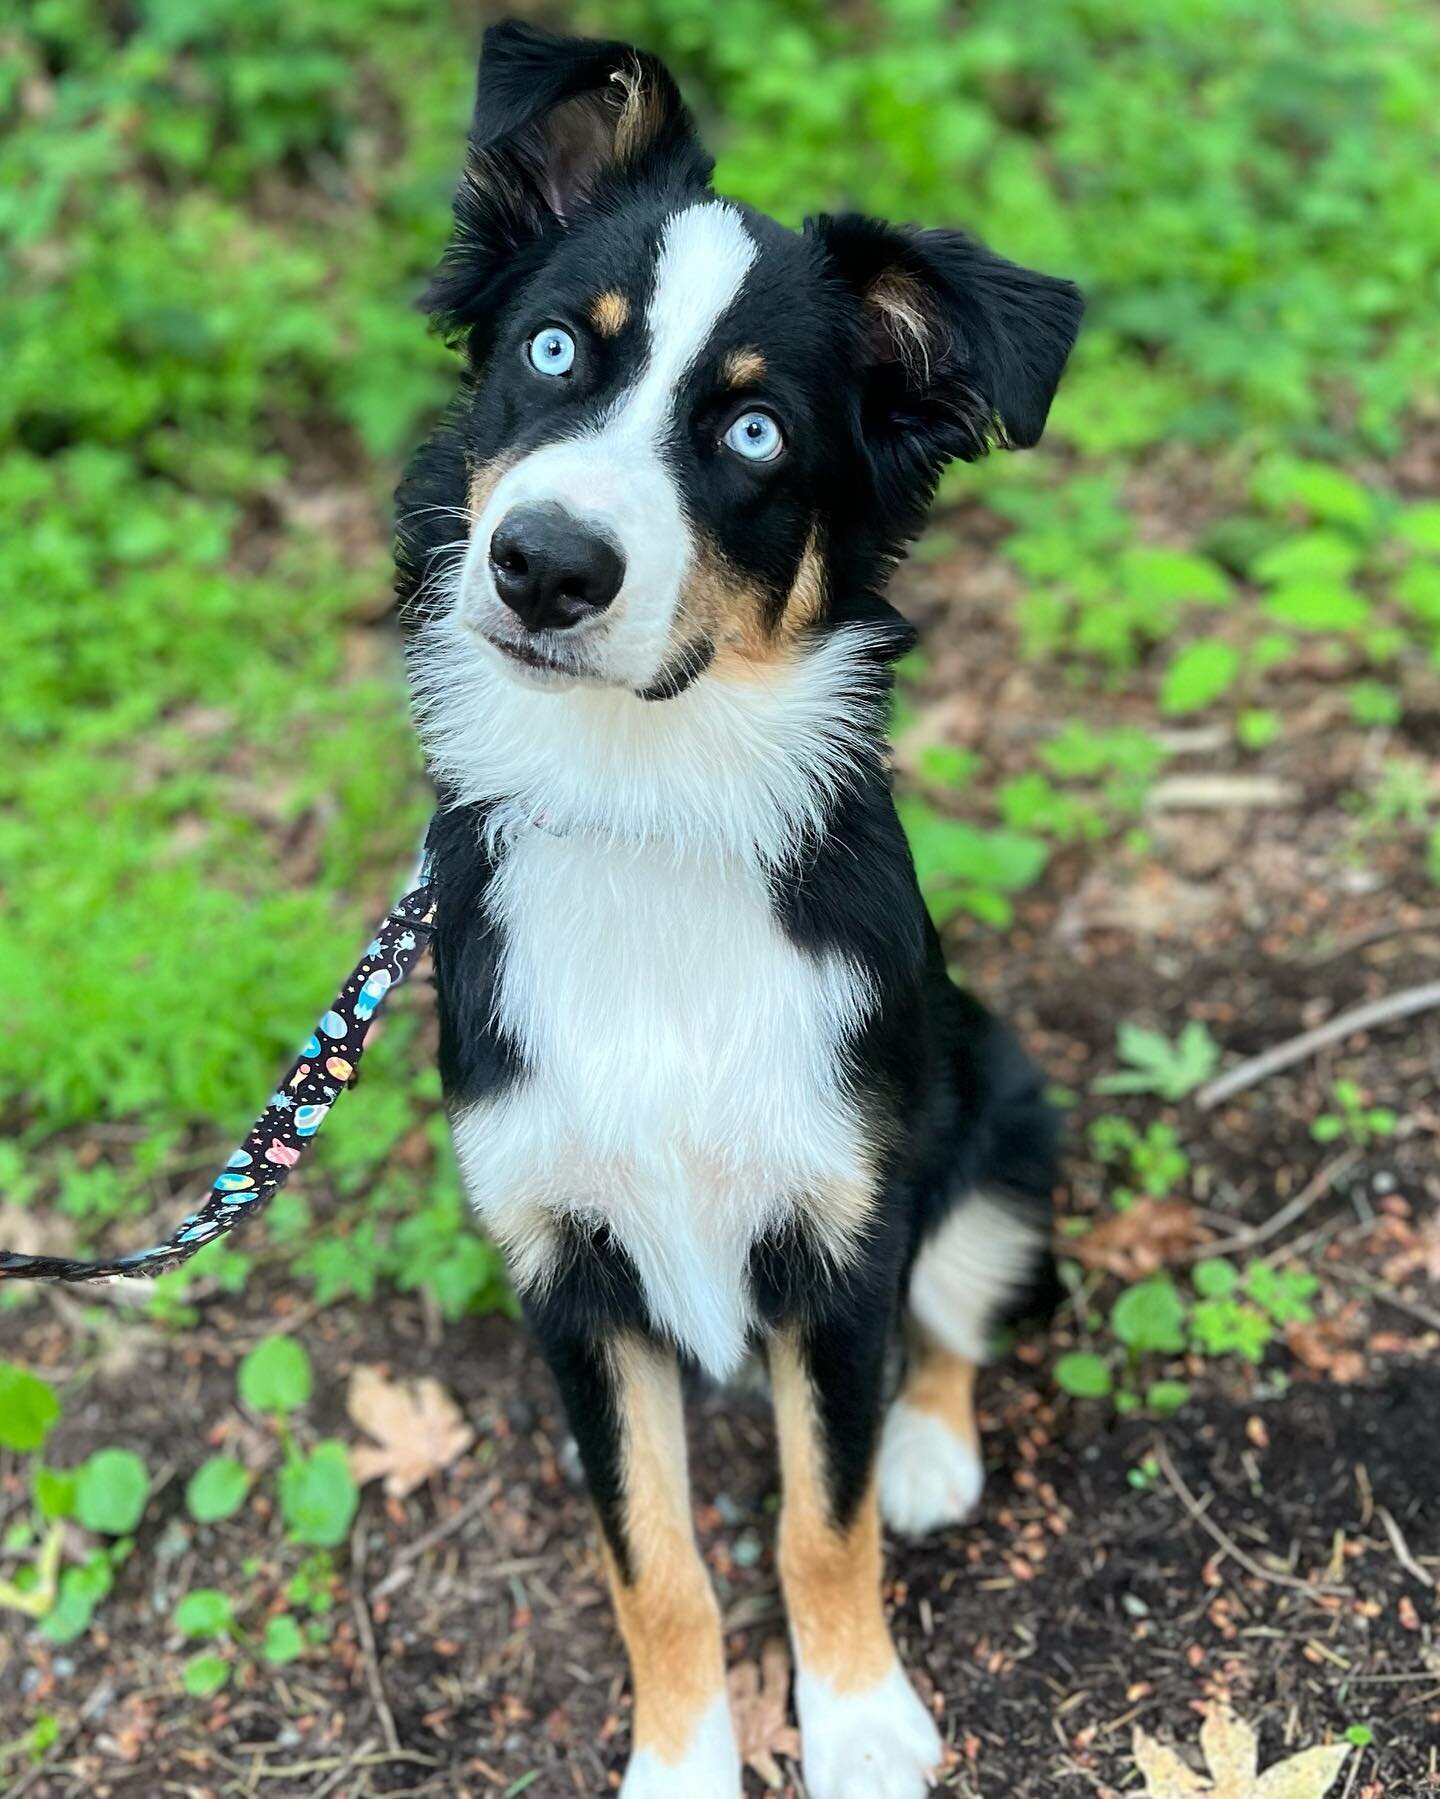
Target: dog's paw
[(881, 1744), (709, 1768), (929, 1477)]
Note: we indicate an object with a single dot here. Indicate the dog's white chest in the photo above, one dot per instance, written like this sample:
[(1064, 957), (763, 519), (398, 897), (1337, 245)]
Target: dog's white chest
[(684, 1082)]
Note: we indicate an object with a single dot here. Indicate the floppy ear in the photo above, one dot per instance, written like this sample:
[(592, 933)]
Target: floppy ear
[(558, 122), (963, 350)]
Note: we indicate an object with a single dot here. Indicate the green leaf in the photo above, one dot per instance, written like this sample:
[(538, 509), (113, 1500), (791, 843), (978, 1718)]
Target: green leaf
[(1216, 1278), (275, 1376), (1150, 1317), (1318, 606), (216, 1490), (110, 1491), (204, 1674), (283, 1641), (1326, 557), (205, 1612), (318, 1498), (1256, 728), (54, 1490), (1164, 1397), (1419, 526), (1084, 1375), (1324, 493), (1170, 577), (1173, 1071), (28, 1408), (1201, 674)]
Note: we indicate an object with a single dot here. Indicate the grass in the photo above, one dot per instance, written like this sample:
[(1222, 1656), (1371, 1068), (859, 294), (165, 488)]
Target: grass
[(213, 220)]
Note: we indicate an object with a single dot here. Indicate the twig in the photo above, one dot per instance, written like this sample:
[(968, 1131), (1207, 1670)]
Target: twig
[(1228, 1544), (1284, 1055), (329, 1763), (437, 1534), (366, 1632), (1314, 1189), (329, 1786), (1377, 933), (1383, 1296), (1402, 1549)]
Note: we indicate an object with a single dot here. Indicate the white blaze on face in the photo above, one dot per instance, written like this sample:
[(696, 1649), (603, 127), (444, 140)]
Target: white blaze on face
[(614, 475)]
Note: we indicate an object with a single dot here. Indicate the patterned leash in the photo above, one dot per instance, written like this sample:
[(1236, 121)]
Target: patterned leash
[(325, 1067)]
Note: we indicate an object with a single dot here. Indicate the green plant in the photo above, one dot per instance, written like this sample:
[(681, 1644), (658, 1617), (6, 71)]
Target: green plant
[(1154, 1160), (1171, 1070), (318, 1496), (1354, 1120)]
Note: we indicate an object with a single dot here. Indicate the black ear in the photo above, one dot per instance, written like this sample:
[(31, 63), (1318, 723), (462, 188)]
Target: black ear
[(963, 349), (559, 122)]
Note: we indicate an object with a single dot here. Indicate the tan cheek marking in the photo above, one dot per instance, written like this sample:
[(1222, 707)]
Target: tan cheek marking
[(735, 614), (484, 479), (667, 1611), (610, 313), (943, 1385), (742, 368), (831, 1577)]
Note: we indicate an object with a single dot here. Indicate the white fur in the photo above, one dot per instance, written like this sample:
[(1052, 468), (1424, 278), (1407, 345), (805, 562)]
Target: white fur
[(684, 1087), (709, 1769), (615, 477), (880, 1744), (742, 767), (928, 1476), (980, 1258)]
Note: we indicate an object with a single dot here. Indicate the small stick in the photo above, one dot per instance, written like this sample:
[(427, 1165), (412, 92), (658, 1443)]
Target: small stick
[(1228, 1544), (1284, 1055), (1314, 1189), (413, 1551), (361, 1607), (1402, 1549)]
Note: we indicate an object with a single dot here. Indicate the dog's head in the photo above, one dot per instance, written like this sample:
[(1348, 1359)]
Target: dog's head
[(690, 437)]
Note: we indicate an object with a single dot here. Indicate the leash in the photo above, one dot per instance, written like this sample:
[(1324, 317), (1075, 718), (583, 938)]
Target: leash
[(327, 1064)]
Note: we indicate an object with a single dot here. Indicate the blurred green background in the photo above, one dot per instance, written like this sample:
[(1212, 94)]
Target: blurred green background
[(214, 218)]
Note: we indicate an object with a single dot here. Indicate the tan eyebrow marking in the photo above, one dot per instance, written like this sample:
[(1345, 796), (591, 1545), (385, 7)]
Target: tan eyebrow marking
[(610, 313), (742, 368)]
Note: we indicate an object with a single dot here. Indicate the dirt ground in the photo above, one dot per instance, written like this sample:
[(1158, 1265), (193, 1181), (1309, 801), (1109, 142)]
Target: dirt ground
[(1276, 1542)]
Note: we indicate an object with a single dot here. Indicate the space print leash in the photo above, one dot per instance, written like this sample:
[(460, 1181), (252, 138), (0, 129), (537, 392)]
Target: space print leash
[(325, 1067)]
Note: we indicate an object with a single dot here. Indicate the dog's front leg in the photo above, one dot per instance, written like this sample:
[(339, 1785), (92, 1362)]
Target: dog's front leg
[(865, 1733), (623, 1399)]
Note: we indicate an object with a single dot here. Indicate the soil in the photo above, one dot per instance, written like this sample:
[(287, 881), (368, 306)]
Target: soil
[(1276, 1542)]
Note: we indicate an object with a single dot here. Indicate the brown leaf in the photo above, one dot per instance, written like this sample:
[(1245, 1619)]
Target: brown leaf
[(1135, 1243), (759, 1705), (1325, 1348), (419, 1430), (1232, 1754)]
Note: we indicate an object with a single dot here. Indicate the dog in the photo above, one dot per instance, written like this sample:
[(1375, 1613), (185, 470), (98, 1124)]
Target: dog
[(711, 1087)]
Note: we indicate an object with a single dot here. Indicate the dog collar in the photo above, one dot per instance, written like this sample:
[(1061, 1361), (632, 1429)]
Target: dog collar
[(327, 1064)]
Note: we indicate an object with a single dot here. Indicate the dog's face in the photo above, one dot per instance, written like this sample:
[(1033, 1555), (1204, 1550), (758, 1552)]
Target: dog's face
[(691, 437)]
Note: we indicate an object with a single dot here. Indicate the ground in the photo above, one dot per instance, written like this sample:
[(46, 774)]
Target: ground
[(1275, 1540)]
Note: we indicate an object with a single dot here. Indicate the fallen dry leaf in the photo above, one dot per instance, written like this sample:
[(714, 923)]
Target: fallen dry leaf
[(759, 1705), (419, 1430), (1135, 1243), (1326, 1348), (1232, 1754)]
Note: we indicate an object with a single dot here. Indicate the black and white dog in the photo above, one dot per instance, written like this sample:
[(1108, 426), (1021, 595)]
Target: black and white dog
[(711, 1085)]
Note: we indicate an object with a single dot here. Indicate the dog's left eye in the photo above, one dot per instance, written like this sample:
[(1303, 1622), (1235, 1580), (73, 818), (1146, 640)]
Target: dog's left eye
[(552, 351), (756, 437)]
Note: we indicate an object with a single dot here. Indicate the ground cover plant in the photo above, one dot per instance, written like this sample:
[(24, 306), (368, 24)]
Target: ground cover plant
[(1167, 759)]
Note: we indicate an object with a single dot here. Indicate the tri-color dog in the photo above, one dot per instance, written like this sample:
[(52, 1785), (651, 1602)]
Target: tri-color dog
[(712, 1088)]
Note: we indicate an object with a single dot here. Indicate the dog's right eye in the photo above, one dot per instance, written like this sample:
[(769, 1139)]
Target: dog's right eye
[(552, 351)]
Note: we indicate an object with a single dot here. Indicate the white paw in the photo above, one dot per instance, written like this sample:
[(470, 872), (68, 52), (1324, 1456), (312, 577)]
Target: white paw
[(881, 1744), (709, 1768), (929, 1477)]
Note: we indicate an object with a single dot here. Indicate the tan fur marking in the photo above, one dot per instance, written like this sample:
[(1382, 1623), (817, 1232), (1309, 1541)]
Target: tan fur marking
[(641, 114), (831, 1578), (943, 1385), (610, 313), (484, 478), (667, 1611), (743, 368), (900, 307), (737, 618)]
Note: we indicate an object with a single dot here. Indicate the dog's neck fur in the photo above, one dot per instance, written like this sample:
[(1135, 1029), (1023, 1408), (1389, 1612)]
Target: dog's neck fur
[(729, 768)]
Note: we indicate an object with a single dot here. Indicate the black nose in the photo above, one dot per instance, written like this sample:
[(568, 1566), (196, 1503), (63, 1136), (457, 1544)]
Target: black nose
[(551, 569)]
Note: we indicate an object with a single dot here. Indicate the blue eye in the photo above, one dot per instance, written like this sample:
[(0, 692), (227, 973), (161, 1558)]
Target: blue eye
[(756, 437), (552, 351)]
